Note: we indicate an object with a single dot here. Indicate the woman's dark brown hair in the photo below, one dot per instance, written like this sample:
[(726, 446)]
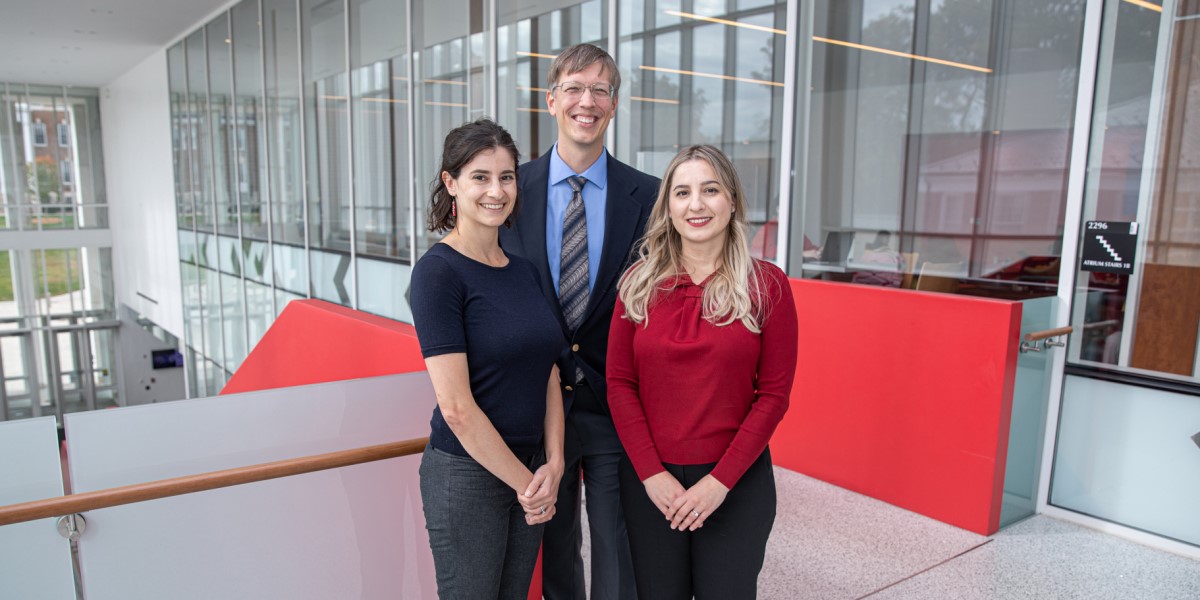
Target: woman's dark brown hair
[(462, 145)]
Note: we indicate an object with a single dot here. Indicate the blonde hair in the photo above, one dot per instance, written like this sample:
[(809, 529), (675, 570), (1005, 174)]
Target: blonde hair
[(734, 291)]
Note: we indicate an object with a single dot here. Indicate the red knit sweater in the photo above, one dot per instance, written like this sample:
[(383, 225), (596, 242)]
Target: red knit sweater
[(684, 391)]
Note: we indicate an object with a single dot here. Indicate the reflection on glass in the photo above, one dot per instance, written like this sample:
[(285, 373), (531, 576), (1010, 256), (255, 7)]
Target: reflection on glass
[(379, 86), (181, 140), (524, 59), (250, 172), (289, 264), (707, 73), (1143, 169), (949, 125), (212, 344), (284, 129), (233, 322), (11, 192), (19, 379), (221, 121), (199, 132), (248, 135), (327, 142), (447, 66)]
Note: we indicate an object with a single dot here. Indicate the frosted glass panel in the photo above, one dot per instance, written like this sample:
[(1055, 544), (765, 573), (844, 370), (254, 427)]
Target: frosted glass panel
[(383, 289), (1125, 454), (355, 532), (35, 562)]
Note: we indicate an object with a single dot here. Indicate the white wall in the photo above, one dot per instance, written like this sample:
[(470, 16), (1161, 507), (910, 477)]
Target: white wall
[(135, 115), (144, 384)]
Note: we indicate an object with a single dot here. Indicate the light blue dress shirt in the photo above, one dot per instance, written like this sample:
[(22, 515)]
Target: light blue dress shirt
[(594, 199)]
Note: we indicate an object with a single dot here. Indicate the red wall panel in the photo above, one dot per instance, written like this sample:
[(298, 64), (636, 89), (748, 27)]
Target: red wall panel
[(905, 397), (314, 341)]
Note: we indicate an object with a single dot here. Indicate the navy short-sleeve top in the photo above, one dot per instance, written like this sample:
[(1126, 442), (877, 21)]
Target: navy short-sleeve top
[(500, 319)]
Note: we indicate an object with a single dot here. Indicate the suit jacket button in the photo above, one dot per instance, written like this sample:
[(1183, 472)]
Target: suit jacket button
[(569, 388), (575, 348)]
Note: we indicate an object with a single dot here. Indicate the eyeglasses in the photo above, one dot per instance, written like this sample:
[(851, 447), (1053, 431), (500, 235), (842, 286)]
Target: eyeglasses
[(601, 92)]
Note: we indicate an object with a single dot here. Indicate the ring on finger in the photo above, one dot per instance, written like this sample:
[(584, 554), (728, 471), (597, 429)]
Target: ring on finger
[(696, 513), (543, 511)]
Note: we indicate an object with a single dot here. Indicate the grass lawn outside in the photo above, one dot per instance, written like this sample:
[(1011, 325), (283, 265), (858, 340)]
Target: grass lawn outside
[(59, 263)]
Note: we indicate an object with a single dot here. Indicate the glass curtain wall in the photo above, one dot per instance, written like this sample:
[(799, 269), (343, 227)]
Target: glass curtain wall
[(932, 150), (921, 136)]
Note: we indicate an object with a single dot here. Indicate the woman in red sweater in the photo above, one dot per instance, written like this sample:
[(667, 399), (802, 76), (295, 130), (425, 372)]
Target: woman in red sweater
[(701, 357)]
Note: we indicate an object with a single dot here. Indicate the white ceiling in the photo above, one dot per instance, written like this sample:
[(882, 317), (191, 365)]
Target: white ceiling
[(89, 43)]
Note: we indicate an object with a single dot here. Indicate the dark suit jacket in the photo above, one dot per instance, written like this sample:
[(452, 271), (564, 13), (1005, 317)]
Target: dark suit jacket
[(631, 194)]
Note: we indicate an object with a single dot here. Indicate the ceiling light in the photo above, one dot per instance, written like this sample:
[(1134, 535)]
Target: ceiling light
[(1146, 5), (676, 13), (938, 61), (656, 100), (712, 75)]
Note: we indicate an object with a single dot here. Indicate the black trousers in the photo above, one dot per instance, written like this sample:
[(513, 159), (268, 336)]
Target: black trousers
[(719, 561), (593, 453)]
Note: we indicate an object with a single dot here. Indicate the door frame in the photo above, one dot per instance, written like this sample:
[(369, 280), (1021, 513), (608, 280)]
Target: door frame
[(1073, 223)]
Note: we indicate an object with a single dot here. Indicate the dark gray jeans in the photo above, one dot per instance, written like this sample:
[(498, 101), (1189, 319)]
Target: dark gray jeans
[(482, 547)]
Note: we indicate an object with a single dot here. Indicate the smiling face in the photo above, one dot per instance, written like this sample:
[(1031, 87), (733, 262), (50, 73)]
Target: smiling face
[(699, 205), (583, 120), (485, 190)]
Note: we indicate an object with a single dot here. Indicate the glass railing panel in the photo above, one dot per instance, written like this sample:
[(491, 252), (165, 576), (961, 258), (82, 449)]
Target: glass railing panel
[(354, 532), (35, 561), (1027, 426)]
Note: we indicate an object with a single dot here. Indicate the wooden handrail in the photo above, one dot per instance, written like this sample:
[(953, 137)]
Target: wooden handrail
[(1034, 336), (176, 486)]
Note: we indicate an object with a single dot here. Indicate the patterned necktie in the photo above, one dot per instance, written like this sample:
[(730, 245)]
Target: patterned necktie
[(573, 268)]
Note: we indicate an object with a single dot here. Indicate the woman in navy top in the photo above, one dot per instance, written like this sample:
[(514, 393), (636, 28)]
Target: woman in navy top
[(489, 477)]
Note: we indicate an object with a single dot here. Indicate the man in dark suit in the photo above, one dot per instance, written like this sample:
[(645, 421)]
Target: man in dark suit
[(582, 212)]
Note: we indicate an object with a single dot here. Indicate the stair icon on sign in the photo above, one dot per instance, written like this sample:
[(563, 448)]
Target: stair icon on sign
[(1107, 246)]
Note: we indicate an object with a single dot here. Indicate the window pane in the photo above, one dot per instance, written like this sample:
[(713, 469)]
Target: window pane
[(691, 80), (12, 191), (249, 141), (198, 130), (379, 81), (948, 158), (181, 140), (284, 123), (1143, 173), (327, 141), (220, 98), (446, 70)]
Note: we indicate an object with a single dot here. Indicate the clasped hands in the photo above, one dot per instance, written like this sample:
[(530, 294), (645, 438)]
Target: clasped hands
[(540, 495), (685, 509)]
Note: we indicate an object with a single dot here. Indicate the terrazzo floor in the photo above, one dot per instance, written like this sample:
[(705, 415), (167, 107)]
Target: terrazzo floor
[(830, 543)]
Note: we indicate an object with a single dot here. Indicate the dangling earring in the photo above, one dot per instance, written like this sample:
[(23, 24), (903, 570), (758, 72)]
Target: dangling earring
[(453, 208)]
